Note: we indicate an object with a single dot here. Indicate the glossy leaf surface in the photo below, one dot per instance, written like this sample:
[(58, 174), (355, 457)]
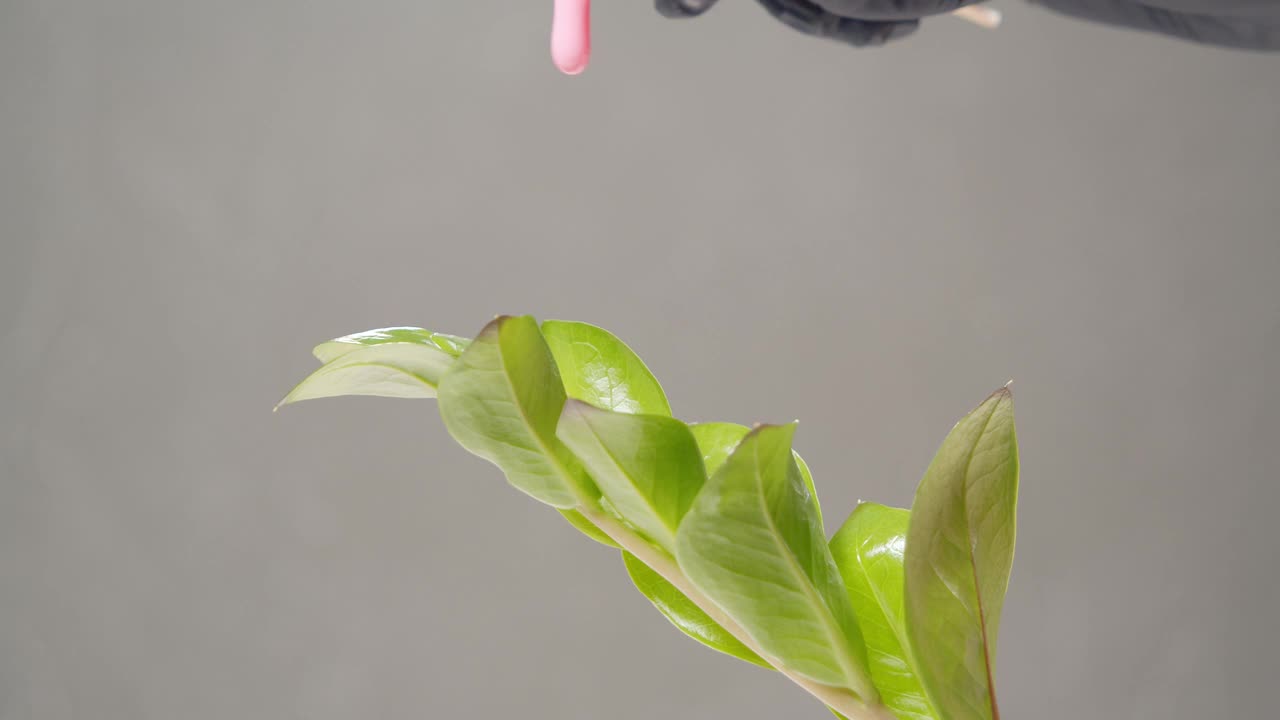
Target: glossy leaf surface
[(333, 349), (647, 466), (958, 556), (868, 550), (682, 613), (502, 399), (752, 543), (600, 369)]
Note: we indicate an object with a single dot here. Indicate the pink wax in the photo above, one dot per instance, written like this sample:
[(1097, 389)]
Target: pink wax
[(571, 35)]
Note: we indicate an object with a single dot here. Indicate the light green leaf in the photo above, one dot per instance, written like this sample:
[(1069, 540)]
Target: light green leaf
[(958, 556), (813, 491), (752, 543), (647, 466), (501, 400), (397, 362), (398, 370), (600, 369), (717, 440), (868, 550), (333, 349), (682, 613)]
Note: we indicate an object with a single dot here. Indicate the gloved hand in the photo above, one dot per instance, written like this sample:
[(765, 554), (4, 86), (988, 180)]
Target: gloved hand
[(1245, 24), (856, 22), (1251, 24)]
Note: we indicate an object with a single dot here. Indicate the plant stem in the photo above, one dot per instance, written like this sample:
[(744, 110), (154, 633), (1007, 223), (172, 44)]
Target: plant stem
[(839, 699)]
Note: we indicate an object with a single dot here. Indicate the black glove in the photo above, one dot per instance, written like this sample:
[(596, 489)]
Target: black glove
[(856, 22), (1251, 24), (1246, 24)]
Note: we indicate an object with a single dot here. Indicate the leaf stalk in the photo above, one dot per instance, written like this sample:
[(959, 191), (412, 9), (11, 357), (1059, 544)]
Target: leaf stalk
[(838, 699)]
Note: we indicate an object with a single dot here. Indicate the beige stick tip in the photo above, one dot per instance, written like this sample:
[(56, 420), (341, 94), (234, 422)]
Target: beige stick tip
[(980, 15)]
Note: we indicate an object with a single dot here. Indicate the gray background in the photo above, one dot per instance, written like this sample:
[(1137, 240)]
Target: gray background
[(194, 193)]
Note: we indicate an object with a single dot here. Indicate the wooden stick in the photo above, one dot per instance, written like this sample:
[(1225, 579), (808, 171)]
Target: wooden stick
[(980, 15)]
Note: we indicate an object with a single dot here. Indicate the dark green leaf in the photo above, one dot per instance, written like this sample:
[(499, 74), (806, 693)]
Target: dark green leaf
[(958, 556)]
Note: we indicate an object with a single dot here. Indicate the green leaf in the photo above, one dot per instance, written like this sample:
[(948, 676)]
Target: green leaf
[(753, 544), (600, 369), (647, 466), (398, 370), (501, 400), (391, 362), (397, 362), (717, 440), (686, 616), (868, 550), (958, 556), (333, 349), (813, 491)]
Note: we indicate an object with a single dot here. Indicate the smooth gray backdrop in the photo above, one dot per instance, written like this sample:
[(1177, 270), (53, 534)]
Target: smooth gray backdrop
[(194, 193)]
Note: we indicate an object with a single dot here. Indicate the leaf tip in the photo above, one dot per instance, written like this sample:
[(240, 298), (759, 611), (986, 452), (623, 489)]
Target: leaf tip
[(760, 429), (494, 327)]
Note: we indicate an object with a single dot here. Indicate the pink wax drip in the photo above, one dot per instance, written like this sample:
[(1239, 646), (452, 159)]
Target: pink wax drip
[(571, 35)]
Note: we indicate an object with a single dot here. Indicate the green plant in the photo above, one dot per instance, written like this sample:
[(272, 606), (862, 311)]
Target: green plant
[(719, 525)]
